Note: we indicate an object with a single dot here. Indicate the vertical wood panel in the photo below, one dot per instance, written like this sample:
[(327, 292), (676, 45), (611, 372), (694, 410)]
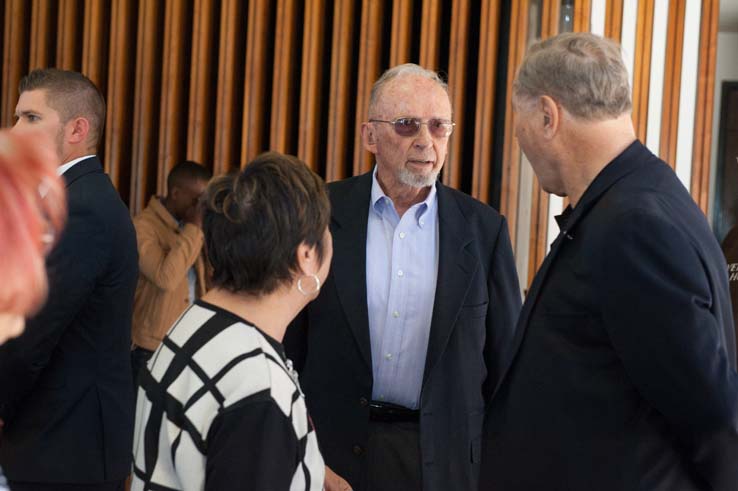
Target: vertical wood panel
[(43, 32), (457, 78), (226, 107), (614, 19), (311, 105), (146, 110), (700, 182), (68, 28), (642, 67), (483, 120), (95, 42), (672, 82), (582, 15), (340, 125), (540, 198), (199, 122), (430, 29), (284, 66), (14, 59), (173, 93), (119, 104), (254, 80), (511, 150), (370, 47), (402, 27)]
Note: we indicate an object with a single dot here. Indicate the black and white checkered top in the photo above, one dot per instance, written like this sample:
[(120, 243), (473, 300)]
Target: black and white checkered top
[(219, 408)]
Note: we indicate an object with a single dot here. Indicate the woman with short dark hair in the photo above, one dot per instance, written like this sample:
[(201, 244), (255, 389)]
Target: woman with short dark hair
[(219, 406)]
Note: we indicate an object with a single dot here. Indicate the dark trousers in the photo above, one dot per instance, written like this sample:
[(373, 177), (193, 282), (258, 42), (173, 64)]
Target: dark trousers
[(393, 457), (32, 486)]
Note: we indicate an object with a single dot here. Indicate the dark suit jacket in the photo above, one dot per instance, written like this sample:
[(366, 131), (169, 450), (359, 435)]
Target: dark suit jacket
[(66, 394), (623, 376), (477, 302)]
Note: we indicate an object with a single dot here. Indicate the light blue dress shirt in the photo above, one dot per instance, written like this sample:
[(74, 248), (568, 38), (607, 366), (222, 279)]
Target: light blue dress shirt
[(401, 273)]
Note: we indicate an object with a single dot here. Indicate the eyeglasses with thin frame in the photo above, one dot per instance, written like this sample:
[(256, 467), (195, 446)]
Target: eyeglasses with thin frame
[(438, 128)]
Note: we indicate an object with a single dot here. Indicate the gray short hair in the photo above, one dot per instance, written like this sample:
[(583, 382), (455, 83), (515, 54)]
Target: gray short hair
[(402, 71), (583, 72)]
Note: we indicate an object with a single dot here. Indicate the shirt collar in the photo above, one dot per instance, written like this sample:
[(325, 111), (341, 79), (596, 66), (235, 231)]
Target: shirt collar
[(63, 168), (379, 200)]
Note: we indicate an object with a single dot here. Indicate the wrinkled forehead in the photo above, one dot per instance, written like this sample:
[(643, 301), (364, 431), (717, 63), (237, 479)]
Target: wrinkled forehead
[(412, 95)]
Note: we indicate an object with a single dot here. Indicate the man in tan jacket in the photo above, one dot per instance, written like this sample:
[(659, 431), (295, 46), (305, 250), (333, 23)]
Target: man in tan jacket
[(171, 262)]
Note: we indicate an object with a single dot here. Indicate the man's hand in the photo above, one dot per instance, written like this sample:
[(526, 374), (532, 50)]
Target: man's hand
[(193, 215), (334, 482)]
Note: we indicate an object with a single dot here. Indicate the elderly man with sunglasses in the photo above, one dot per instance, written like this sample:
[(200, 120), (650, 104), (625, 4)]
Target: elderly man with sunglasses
[(401, 351)]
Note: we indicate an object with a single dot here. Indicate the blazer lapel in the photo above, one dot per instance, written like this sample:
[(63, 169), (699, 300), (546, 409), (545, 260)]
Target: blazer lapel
[(350, 217), (456, 266)]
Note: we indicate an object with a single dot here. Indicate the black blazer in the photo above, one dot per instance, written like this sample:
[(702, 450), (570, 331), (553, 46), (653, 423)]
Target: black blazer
[(623, 376), (66, 394), (477, 302)]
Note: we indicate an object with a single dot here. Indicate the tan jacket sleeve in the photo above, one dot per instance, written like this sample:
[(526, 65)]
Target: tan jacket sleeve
[(167, 269)]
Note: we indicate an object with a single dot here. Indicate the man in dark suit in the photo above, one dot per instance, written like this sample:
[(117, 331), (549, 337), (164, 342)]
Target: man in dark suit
[(623, 373), (65, 385), (399, 354)]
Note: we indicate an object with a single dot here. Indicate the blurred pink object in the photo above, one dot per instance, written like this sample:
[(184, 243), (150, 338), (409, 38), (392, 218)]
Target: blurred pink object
[(33, 204)]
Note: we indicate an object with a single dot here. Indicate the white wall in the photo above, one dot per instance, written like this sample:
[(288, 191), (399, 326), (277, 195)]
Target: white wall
[(726, 69)]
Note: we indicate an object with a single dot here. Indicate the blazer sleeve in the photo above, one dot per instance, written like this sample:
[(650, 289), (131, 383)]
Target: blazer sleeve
[(167, 269), (73, 267), (658, 308), (504, 308)]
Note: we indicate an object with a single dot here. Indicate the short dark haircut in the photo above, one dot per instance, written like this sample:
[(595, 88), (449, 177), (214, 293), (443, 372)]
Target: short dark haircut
[(70, 94), (187, 170), (255, 220)]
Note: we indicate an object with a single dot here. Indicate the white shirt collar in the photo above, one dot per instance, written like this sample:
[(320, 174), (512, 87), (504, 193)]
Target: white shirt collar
[(63, 168)]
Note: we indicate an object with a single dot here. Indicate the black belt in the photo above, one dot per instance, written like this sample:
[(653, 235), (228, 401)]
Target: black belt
[(392, 413)]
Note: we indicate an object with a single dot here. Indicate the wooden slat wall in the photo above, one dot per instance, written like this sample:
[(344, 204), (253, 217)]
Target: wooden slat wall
[(700, 184), (672, 82), (14, 55), (340, 121), (614, 19), (540, 198), (484, 116), (219, 81), (230, 71), (311, 104), (511, 150), (370, 51), (642, 67)]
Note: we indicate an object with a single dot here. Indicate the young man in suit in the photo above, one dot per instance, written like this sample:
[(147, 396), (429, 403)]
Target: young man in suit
[(401, 351), (622, 375), (66, 396)]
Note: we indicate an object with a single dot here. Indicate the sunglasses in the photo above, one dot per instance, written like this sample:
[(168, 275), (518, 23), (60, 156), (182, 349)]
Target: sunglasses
[(438, 128)]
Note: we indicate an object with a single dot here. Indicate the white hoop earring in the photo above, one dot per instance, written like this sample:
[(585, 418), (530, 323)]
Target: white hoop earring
[(302, 290)]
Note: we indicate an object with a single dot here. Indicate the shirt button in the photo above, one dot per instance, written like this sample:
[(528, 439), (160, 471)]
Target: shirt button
[(400, 273), (402, 235), (358, 450), (395, 314), (422, 221), (388, 356)]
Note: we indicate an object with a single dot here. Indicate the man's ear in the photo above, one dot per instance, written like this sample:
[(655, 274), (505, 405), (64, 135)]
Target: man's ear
[(77, 130), (369, 137), (551, 116)]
